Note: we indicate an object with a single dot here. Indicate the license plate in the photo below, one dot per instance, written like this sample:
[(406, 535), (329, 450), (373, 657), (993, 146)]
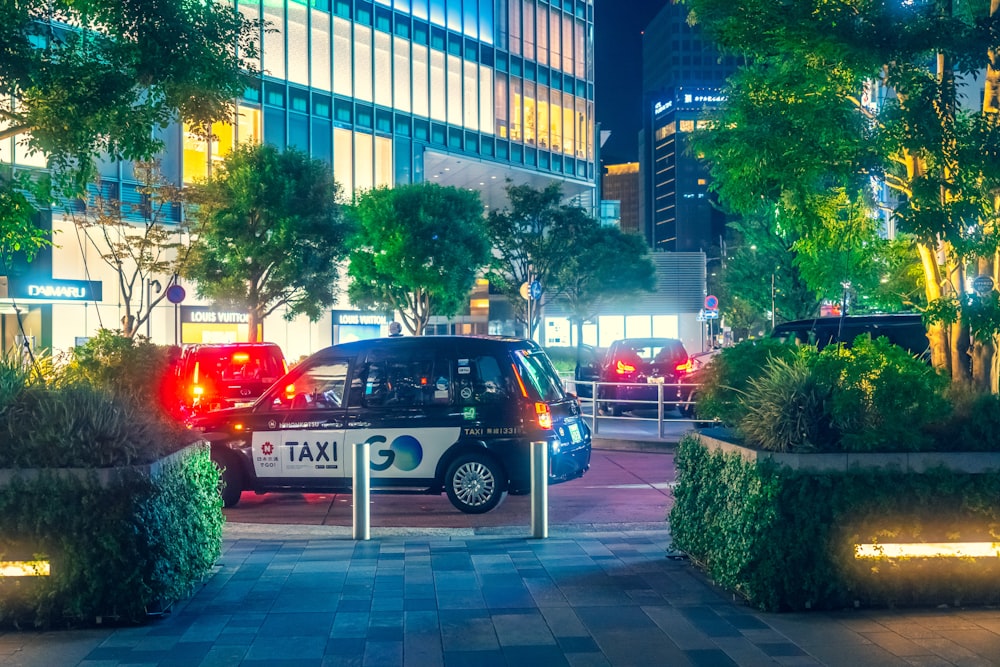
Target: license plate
[(574, 433), (656, 380)]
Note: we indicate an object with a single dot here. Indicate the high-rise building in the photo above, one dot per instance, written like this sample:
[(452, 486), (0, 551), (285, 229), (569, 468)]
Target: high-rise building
[(620, 183), (468, 93), (683, 75)]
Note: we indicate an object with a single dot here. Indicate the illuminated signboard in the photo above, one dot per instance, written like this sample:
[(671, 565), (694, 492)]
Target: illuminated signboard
[(207, 315), (56, 290), (359, 317)]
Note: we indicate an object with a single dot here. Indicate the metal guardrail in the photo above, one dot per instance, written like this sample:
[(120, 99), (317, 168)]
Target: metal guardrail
[(663, 407)]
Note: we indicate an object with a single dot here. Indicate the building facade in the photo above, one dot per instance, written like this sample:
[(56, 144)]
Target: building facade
[(620, 183), (466, 93), (683, 75)]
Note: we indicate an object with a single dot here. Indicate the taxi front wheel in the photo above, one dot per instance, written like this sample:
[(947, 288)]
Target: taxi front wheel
[(475, 483)]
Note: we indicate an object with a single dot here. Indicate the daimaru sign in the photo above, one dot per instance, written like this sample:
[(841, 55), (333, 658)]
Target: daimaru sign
[(56, 290)]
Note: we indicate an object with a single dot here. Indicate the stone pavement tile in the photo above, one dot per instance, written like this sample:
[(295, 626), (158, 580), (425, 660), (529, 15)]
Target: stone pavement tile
[(897, 645), (563, 622), (455, 581), (512, 596), (461, 631), (549, 656), (953, 652), (525, 629), (288, 625), (838, 652), (678, 628), (625, 647), (980, 642), (484, 658), (743, 651), (706, 621), (383, 653), (354, 604), (274, 649), (207, 628), (713, 657), (314, 602), (631, 618), (929, 661), (387, 604), (423, 650), (587, 660), (421, 623), (584, 644), (460, 599), (223, 656), (545, 593), (350, 624)]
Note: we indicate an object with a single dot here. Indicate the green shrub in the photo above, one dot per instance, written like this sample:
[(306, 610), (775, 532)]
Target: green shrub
[(881, 397), (14, 377), (786, 408), (117, 551), (82, 426), (728, 377), (785, 539)]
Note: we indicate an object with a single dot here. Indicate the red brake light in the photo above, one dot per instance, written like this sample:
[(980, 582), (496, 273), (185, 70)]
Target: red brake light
[(686, 367), (543, 415), (241, 357), (622, 368), (290, 391)]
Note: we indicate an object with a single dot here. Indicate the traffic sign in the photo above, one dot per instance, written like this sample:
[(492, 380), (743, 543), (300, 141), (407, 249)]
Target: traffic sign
[(175, 294), (711, 302), (535, 290), (982, 284), (711, 314)]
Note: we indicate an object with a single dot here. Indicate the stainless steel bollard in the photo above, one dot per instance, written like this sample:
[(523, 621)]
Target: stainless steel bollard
[(540, 489), (361, 491)]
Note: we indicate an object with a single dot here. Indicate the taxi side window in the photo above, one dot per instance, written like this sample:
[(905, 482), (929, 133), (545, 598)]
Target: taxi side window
[(395, 382), (319, 387), (481, 380)]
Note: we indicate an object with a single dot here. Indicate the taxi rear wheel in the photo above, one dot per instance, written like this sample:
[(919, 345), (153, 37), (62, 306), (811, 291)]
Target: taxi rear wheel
[(475, 483), (231, 479)]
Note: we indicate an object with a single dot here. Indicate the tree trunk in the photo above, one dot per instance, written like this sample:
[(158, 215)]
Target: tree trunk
[(936, 334), (253, 322)]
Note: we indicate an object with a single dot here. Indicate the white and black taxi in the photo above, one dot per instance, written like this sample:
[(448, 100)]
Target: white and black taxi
[(451, 413)]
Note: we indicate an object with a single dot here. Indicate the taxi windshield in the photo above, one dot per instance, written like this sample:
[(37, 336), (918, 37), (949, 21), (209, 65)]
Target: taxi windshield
[(537, 371)]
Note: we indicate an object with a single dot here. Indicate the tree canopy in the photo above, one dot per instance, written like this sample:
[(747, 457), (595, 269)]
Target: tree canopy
[(849, 95), (417, 250), (83, 80), (268, 233)]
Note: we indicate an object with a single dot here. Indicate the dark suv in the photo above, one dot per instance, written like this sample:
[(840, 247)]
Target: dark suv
[(441, 413), (904, 329), (632, 371), (212, 376)]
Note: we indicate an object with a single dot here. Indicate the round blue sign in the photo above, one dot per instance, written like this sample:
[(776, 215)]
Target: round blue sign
[(175, 294), (711, 302), (535, 290)]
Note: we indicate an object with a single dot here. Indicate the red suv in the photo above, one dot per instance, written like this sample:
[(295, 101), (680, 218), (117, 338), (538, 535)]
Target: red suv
[(632, 371), (212, 376)]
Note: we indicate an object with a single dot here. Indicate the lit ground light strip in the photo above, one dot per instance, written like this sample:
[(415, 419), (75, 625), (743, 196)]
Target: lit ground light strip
[(929, 550), (24, 568)]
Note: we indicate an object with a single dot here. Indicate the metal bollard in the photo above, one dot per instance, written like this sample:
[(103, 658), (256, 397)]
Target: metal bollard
[(361, 491), (540, 489)]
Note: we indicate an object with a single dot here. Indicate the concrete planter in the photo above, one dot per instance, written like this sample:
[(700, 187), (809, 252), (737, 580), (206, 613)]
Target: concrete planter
[(801, 531), (90, 546)]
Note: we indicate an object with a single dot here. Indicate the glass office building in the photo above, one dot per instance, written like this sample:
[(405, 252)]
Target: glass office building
[(468, 93)]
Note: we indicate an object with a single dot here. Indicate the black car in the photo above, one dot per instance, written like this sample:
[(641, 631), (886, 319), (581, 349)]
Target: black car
[(634, 372), (904, 329), (449, 413)]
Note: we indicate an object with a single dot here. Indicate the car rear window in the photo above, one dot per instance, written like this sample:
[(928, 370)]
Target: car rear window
[(537, 370), (263, 365)]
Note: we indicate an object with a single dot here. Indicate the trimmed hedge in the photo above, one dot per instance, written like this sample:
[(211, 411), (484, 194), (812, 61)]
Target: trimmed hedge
[(118, 551), (785, 539)]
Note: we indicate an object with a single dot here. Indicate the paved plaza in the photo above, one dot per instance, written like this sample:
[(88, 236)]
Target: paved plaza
[(312, 596)]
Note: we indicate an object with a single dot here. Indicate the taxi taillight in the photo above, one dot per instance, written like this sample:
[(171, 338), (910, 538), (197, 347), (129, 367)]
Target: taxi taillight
[(543, 415), (685, 367), (623, 368)]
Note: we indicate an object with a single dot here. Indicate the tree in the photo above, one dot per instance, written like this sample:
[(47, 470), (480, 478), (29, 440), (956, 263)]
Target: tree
[(268, 232), (83, 80), (532, 240), (417, 250), (609, 265), (137, 241), (844, 92)]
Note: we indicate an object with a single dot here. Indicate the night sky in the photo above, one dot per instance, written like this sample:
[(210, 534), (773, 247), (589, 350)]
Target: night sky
[(618, 49)]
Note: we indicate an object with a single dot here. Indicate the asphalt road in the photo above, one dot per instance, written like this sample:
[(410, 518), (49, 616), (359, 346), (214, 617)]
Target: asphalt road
[(622, 487)]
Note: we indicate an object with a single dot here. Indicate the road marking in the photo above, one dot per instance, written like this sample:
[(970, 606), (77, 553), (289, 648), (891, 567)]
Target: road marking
[(657, 485)]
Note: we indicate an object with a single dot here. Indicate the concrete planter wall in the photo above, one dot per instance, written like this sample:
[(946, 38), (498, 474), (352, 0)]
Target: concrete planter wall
[(118, 544), (794, 531)]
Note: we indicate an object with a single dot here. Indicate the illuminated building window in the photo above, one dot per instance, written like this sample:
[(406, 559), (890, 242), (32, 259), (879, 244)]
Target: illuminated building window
[(454, 90), (514, 27), (383, 162), (485, 100), (274, 40), (297, 36), (319, 63), (530, 116), (421, 101), (529, 31), (555, 120), (438, 91), (543, 117), (471, 101), (383, 69), (364, 162), (568, 124), (685, 126), (363, 63), (343, 159), (401, 74), (342, 66)]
